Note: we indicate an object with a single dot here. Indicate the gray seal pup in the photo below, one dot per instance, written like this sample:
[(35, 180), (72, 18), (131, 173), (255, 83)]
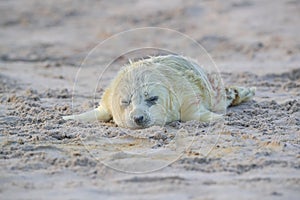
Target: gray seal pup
[(162, 89)]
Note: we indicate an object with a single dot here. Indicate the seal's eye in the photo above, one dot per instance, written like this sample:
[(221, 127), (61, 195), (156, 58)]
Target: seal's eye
[(152, 100), (125, 103)]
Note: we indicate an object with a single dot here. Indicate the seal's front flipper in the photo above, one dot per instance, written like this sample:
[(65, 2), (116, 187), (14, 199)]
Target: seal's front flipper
[(207, 116), (98, 114)]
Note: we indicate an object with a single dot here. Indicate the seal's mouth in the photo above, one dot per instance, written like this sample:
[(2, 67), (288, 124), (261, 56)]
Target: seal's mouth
[(140, 124), (139, 119)]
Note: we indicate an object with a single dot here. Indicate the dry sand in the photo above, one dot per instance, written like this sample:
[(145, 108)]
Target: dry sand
[(253, 153)]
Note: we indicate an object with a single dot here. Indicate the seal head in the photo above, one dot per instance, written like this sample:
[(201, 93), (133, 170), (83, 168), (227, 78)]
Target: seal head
[(142, 99)]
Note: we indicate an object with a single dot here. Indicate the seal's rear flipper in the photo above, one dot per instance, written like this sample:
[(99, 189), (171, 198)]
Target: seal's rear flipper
[(237, 95), (98, 114)]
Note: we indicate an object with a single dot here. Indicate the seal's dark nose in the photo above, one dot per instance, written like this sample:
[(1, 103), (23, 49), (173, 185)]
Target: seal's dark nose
[(138, 119)]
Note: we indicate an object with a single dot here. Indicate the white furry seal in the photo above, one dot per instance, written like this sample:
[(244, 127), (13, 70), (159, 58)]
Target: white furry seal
[(163, 89)]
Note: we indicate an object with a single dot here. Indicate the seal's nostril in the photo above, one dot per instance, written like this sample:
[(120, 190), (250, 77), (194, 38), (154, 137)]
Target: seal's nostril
[(138, 119)]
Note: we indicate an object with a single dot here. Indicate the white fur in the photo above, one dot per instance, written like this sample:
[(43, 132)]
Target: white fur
[(184, 92)]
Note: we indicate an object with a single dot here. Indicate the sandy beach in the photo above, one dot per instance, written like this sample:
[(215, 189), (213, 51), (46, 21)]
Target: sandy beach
[(57, 57)]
